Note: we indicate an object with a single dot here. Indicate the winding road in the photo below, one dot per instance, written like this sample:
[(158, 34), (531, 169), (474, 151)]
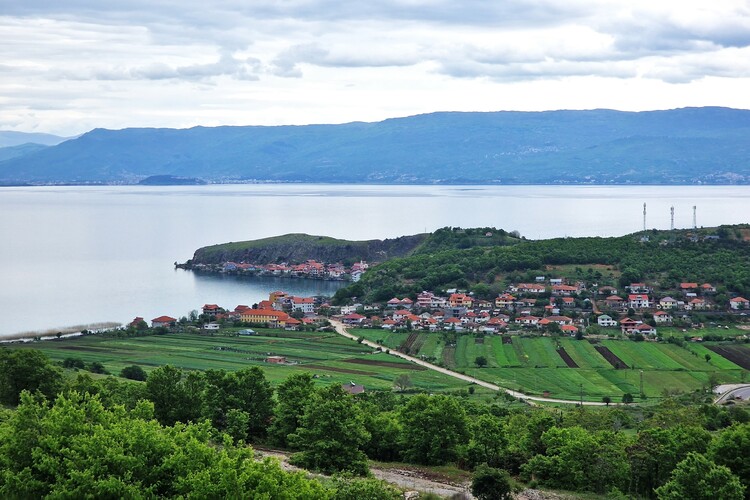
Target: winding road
[(341, 330)]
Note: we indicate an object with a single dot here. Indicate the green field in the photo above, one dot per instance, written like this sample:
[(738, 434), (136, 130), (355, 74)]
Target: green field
[(533, 365), (329, 356)]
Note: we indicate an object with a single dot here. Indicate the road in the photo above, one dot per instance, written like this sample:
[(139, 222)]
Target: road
[(733, 391), (341, 329)]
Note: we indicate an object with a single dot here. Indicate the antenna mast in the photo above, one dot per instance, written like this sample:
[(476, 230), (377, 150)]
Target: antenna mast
[(644, 216), (695, 224), (671, 223)]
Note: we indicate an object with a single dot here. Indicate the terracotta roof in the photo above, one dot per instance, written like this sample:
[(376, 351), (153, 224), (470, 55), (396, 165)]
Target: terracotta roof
[(164, 319)]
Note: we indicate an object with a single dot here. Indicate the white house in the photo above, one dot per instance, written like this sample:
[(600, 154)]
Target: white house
[(662, 317), (739, 303), (605, 321), (639, 301)]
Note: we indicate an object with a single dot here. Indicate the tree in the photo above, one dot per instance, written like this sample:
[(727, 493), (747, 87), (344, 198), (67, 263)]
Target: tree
[(293, 395), (27, 370), (402, 382), (420, 418), (74, 363), (481, 361), (331, 434), (97, 367), (627, 398), (606, 400), (699, 478), (731, 449), (133, 372), (489, 483), (488, 441), (77, 448), (246, 390), (351, 488), (176, 398)]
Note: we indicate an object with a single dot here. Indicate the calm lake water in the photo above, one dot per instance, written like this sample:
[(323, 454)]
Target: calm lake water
[(77, 255)]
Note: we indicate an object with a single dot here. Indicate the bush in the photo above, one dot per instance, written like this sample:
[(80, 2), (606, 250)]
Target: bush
[(73, 363), (97, 367), (133, 372)]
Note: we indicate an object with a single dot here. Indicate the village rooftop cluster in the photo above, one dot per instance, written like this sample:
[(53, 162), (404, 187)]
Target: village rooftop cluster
[(310, 269), (546, 306)]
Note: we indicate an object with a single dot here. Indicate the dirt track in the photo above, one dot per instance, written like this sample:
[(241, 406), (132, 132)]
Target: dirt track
[(341, 330)]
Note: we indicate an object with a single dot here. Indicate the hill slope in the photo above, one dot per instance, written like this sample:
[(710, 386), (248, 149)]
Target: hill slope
[(682, 146)]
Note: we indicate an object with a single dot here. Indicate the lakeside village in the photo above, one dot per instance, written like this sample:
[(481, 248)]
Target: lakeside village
[(310, 269), (546, 306)]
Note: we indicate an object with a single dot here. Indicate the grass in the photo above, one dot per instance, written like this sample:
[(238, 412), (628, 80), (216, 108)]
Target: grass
[(328, 356)]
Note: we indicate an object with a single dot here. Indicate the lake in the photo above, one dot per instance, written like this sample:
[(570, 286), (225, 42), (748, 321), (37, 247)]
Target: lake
[(77, 255)]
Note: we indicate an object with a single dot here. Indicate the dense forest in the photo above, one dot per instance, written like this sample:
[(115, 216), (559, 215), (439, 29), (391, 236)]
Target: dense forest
[(719, 256), (184, 434)]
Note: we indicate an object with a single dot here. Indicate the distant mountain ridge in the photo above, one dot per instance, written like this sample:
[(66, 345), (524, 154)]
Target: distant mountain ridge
[(682, 146)]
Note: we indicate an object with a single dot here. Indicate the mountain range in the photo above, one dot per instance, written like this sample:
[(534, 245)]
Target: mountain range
[(706, 145)]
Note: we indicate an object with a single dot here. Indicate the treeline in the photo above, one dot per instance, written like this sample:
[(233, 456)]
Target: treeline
[(724, 261), (183, 434)]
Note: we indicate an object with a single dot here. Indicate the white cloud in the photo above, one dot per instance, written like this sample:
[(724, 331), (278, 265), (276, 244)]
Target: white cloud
[(82, 63)]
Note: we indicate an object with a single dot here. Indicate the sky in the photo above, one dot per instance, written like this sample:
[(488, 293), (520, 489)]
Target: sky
[(67, 67)]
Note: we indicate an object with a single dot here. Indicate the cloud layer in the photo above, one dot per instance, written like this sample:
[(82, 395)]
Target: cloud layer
[(300, 61)]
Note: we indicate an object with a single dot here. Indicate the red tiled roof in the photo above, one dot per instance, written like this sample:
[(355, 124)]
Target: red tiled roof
[(164, 319)]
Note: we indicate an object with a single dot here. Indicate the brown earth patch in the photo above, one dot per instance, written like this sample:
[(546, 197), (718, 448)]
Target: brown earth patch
[(566, 357), (339, 370), (613, 360), (737, 354), (388, 364)]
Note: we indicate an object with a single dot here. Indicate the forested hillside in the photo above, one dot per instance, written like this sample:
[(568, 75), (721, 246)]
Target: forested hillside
[(720, 256), (680, 146)]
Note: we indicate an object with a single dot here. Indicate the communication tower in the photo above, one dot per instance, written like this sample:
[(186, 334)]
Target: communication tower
[(695, 221)]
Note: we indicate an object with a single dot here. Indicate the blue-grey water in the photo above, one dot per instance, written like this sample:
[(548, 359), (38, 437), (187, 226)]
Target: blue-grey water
[(77, 255)]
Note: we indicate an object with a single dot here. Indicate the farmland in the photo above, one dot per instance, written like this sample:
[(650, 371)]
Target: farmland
[(534, 365), (333, 359)]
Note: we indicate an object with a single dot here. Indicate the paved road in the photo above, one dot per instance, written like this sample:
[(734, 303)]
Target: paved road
[(741, 391), (341, 329)]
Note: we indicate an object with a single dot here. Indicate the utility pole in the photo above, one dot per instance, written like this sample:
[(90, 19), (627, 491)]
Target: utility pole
[(644, 216), (581, 395), (695, 222), (671, 223), (642, 394)]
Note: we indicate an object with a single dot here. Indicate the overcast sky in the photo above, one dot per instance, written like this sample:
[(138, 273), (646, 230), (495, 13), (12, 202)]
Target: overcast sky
[(69, 66)]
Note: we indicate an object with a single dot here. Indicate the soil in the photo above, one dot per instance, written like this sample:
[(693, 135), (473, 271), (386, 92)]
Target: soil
[(616, 362), (566, 357), (739, 355), (387, 364)]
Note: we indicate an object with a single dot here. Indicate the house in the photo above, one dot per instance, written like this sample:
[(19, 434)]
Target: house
[(564, 290), (529, 288), (568, 301), (688, 287), (638, 288), (639, 301), (353, 319), (696, 304), (353, 388), (569, 329), (560, 320), (662, 317), (527, 320), (607, 290), (279, 360), (738, 303), (606, 321), (304, 304), (644, 329), (628, 325), (165, 321), (211, 310), (460, 300), (614, 302), (504, 301), (393, 303), (138, 322), (667, 303), (708, 288), (274, 319), (424, 299)]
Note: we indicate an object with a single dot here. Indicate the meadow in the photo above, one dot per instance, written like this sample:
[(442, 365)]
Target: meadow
[(328, 356)]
